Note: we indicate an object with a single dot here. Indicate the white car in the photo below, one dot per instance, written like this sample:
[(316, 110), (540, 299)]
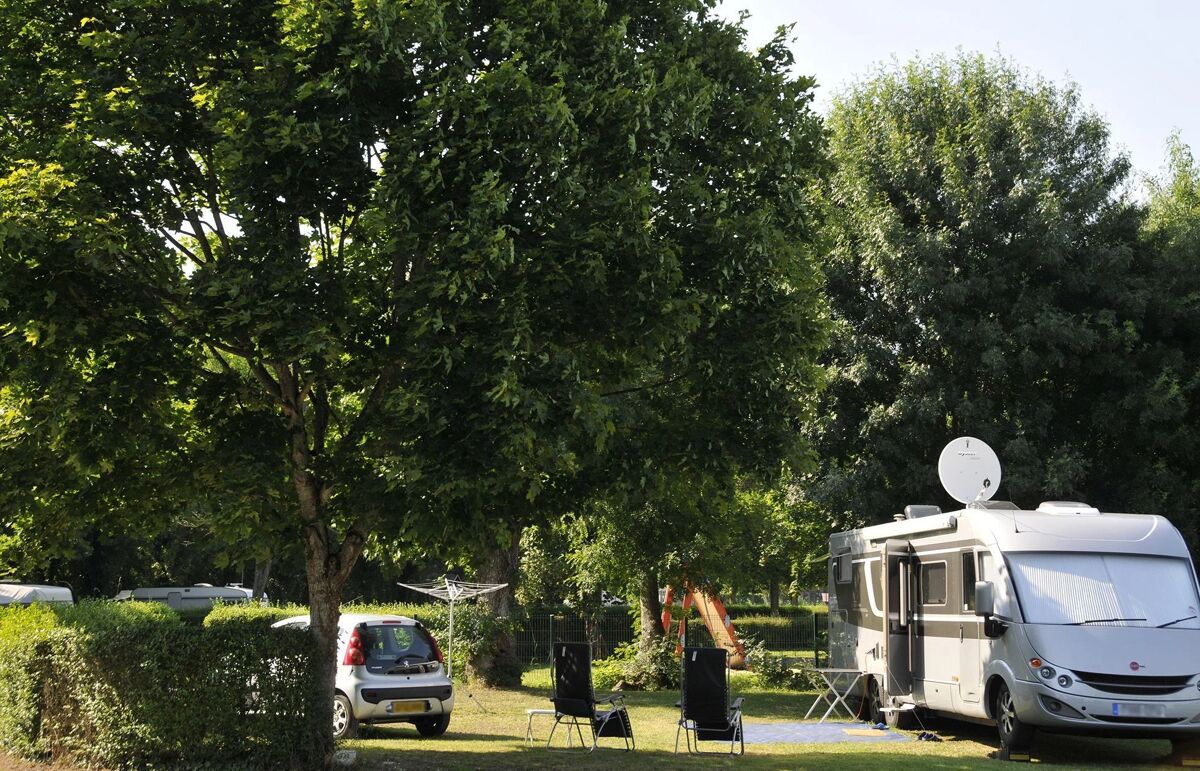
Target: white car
[(390, 670)]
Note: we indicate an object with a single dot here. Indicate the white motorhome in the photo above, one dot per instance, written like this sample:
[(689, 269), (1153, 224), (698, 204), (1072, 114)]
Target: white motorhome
[(188, 597), (1061, 618), (27, 594)]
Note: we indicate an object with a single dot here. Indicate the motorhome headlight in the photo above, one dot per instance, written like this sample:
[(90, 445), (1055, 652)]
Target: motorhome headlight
[(1047, 672), (1065, 681)]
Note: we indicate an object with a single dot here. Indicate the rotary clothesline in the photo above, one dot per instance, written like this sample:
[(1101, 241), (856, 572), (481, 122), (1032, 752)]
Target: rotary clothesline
[(451, 590)]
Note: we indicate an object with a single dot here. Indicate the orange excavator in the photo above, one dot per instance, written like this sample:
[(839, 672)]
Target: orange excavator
[(716, 619)]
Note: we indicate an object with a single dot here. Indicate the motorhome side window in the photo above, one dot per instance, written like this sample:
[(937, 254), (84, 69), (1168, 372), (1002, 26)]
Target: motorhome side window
[(845, 569), (968, 582), (933, 583)]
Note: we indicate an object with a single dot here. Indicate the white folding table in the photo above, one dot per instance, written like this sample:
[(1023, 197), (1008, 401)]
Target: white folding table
[(839, 683)]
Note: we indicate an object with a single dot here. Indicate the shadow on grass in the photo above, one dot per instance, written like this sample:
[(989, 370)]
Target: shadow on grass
[(405, 731), (1061, 748), (581, 760)]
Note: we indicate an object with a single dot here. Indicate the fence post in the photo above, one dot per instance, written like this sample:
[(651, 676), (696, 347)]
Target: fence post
[(816, 651)]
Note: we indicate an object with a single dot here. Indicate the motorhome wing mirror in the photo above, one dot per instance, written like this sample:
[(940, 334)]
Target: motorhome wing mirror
[(985, 601)]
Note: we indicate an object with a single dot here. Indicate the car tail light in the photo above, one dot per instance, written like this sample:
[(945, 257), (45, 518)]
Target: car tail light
[(354, 650)]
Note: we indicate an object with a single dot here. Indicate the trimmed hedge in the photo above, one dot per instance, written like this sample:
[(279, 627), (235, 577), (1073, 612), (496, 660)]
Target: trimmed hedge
[(127, 685)]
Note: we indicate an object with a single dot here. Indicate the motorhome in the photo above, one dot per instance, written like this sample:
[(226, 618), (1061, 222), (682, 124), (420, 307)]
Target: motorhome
[(199, 596), (1060, 618), (26, 594)]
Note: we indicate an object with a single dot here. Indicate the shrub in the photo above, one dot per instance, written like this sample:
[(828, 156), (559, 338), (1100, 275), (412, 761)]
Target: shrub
[(772, 671), (128, 685), (656, 668), (261, 616), (26, 635)]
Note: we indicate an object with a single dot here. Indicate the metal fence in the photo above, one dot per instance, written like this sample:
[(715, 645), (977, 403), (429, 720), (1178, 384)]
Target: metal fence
[(799, 635)]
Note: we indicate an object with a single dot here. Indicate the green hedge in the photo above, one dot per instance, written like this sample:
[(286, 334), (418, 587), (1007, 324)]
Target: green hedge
[(126, 685)]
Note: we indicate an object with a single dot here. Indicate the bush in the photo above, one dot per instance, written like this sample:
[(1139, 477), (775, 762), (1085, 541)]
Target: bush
[(26, 636), (128, 685), (651, 670), (772, 671)]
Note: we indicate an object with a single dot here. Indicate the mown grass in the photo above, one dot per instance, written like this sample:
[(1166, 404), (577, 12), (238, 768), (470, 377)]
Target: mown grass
[(488, 731)]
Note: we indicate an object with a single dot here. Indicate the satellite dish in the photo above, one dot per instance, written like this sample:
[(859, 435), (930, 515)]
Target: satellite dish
[(969, 470)]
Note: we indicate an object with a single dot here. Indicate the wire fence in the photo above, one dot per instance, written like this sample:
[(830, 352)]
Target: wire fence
[(799, 635)]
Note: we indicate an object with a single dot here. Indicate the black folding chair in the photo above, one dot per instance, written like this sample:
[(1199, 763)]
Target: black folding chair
[(575, 701), (705, 711)]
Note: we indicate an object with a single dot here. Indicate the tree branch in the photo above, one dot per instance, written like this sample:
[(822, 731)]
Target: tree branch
[(646, 387), (374, 400), (191, 255), (265, 378)]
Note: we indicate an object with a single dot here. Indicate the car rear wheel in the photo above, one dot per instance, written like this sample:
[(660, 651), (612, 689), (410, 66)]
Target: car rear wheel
[(345, 726), (1015, 735), (434, 726)]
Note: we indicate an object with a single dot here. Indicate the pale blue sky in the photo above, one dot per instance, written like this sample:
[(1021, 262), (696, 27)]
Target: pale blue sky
[(1136, 62)]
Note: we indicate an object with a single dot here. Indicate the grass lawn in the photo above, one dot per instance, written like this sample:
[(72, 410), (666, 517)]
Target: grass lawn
[(488, 731)]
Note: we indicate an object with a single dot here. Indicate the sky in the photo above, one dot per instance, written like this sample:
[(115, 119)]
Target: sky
[(1137, 63)]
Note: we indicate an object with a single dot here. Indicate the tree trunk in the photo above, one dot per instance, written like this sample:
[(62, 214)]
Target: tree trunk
[(593, 632), (773, 596), (327, 564), (651, 612), (500, 666), (262, 572), (328, 559)]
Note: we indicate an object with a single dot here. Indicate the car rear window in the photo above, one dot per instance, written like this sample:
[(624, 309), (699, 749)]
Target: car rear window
[(396, 642)]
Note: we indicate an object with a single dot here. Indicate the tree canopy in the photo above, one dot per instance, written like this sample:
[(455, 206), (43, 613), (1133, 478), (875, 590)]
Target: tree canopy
[(985, 278), (401, 260)]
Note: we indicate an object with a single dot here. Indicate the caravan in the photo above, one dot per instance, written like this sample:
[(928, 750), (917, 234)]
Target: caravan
[(198, 597), (1061, 618), (12, 593)]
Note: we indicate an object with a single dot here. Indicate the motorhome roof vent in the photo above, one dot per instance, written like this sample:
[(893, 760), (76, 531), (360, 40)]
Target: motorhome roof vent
[(1066, 507), (916, 512)]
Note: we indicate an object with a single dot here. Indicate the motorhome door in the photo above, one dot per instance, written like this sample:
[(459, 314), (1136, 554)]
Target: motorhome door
[(970, 633), (899, 597)]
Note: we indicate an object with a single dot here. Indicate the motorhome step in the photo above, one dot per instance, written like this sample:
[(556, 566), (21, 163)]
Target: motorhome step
[(901, 708)]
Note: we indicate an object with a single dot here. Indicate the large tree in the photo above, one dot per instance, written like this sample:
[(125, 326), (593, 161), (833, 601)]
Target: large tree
[(984, 279), (1165, 442), (438, 243)]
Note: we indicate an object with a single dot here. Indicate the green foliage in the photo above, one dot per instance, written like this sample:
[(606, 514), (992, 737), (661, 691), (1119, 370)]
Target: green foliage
[(126, 685), (251, 614), (26, 638), (347, 274), (1167, 436), (984, 279), (652, 669), (771, 670)]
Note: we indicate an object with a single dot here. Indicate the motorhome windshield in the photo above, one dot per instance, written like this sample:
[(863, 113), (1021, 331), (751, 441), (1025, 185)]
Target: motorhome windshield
[(1105, 589)]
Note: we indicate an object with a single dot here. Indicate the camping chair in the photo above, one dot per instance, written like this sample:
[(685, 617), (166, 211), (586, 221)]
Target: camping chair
[(575, 701), (704, 705)]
